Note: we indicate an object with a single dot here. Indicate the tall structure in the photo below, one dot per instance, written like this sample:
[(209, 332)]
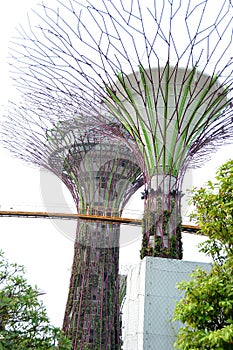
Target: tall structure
[(101, 177), (162, 70), (156, 76), (173, 108)]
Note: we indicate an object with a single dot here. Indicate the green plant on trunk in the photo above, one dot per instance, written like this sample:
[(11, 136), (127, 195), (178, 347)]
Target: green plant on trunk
[(152, 244)]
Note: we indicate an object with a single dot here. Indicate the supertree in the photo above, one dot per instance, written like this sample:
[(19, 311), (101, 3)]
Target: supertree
[(163, 70), (101, 177), (160, 70)]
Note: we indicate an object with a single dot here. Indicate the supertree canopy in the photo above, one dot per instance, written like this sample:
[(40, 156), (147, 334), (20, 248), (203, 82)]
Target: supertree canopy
[(101, 177), (174, 113), (153, 75)]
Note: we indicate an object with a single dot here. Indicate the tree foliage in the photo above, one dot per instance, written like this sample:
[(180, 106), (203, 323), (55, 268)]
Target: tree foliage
[(24, 323), (206, 308), (214, 212)]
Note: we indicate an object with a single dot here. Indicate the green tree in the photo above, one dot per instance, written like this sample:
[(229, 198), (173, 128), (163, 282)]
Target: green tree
[(206, 309), (24, 323)]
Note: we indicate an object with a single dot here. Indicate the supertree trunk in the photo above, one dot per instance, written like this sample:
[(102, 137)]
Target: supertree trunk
[(162, 219), (92, 310)]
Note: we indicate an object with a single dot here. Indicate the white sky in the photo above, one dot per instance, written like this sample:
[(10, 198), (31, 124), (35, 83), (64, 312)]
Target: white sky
[(39, 244)]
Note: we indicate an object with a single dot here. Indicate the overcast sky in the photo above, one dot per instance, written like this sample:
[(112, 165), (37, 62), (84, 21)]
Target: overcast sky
[(41, 244)]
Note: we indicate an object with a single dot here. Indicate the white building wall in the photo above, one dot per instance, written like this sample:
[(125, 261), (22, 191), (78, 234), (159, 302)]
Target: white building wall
[(133, 311), (150, 302)]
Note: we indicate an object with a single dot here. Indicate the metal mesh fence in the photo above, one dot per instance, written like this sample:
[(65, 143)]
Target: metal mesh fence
[(150, 302)]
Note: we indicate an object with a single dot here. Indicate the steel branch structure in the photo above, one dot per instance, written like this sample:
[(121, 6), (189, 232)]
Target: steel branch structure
[(155, 76), (160, 70)]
